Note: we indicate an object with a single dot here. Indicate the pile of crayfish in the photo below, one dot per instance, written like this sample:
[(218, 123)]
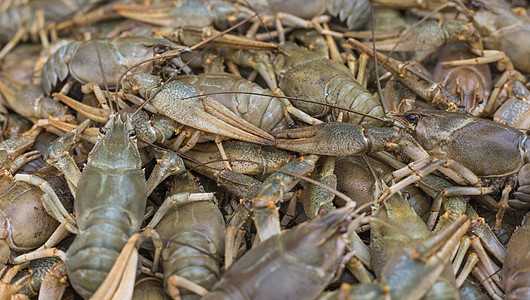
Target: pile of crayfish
[(224, 149)]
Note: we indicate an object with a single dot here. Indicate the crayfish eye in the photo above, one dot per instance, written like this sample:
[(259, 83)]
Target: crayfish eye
[(342, 229), (406, 195), (132, 133), (158, 50), (102, 130), (480, 101), (168, 184), (474, 5), (413, 118)]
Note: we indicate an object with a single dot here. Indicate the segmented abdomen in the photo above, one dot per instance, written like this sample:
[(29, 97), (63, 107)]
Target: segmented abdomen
[(56, 68), (195, 240), (356, 13), (96, 248), (329, 82), (87, 61), (260, 108), (347, 93)]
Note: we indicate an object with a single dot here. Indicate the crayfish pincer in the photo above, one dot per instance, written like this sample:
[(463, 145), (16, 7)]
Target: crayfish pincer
[(297, 264), (483, 153), (185, 104)]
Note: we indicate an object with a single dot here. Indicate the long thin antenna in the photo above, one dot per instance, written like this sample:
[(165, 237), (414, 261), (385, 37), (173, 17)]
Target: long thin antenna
[(259, 17), (378, 81), (178, 52)]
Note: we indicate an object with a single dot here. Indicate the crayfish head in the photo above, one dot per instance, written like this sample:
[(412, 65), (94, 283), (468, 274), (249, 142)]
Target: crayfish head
[(330, 226), (117, 148), (470, 84), (432, 129), (427, 127)]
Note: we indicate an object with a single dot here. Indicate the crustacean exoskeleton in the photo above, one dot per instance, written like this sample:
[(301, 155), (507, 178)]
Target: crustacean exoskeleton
[(313, 251), (470, 144), (80, 60), (517, 266), (193, 239), (114, 173)]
